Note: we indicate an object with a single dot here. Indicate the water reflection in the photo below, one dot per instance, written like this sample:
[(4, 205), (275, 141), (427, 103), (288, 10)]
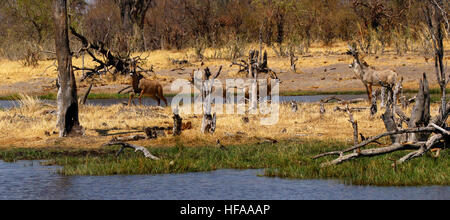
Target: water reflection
[(29, 180)]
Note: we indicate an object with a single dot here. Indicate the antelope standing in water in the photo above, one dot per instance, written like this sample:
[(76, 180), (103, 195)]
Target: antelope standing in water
[(146, 87), (371, 77)]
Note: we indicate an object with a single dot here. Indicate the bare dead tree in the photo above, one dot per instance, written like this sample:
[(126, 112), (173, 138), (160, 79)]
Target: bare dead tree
[(257, 61), (68, 121), (177, 123), (112, 63), (293, 60), (209, 119)]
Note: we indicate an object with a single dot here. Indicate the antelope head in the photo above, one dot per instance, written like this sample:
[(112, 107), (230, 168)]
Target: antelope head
[(353, 52), (273, 75), (358, 60), (136, 76)]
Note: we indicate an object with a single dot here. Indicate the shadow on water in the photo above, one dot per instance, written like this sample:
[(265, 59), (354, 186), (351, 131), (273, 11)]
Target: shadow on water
[(30, 180)]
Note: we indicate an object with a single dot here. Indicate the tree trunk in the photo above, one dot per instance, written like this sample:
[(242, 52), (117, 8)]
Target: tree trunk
[(125, 16), (68, 122), (420, 115), (177, 124), (209, 119)]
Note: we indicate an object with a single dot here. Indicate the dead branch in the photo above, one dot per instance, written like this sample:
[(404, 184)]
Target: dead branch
[(354, 125), (353, 109), (371, 152), (85, 96), (255, 61), (136, 148), (293, 60), (112, 63), (352, 101), (128, 87), (209, 119), (129, 138), (375, 138), (423, 149)]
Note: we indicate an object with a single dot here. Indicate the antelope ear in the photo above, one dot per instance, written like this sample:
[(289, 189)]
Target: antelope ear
[(365, 63)]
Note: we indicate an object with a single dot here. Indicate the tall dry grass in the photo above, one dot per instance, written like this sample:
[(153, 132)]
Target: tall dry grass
[(33, 124)]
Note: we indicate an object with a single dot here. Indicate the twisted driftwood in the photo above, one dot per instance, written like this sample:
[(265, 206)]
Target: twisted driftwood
[(420, 116), (136, 148)]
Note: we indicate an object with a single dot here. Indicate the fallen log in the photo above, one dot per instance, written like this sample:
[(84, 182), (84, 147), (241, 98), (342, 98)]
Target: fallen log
[(136, 148), (371, 152), (375, 138), (129, 138), (352, 101), (353, 109)]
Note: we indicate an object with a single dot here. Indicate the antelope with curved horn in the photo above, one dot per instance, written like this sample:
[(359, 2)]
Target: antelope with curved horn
[(371, 77), (144, 86)]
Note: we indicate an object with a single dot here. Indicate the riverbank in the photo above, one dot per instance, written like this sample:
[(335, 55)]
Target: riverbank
[(285, 159), (284, 149)]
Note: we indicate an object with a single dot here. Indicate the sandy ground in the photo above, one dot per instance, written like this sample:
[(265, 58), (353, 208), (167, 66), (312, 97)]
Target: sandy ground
[(322, 69), (311, 76)]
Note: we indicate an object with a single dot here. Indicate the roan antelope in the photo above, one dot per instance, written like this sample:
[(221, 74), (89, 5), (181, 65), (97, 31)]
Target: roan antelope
[(146, 87), (371, 77)]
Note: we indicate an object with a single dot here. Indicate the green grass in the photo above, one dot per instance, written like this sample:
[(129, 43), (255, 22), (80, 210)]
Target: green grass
[(286, 160)]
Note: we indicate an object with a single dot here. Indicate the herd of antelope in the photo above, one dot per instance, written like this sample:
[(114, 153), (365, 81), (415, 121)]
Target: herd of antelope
[(369, 76)]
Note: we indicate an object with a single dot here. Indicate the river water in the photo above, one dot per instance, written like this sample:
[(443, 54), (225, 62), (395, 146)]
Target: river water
[(5, 104), (30, 180)]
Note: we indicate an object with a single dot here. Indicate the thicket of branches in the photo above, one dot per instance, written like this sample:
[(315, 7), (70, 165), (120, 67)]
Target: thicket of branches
[(138, 25)]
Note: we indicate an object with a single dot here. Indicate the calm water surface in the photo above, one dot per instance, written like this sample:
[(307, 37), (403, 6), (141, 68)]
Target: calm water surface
[(29, 180), (150, 102)]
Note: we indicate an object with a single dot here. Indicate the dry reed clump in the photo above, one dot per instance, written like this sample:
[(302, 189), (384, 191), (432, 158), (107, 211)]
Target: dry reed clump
[(33, 124)]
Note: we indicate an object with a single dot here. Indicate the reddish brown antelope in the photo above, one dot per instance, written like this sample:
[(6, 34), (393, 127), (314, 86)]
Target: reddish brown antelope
[(146, 87)]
